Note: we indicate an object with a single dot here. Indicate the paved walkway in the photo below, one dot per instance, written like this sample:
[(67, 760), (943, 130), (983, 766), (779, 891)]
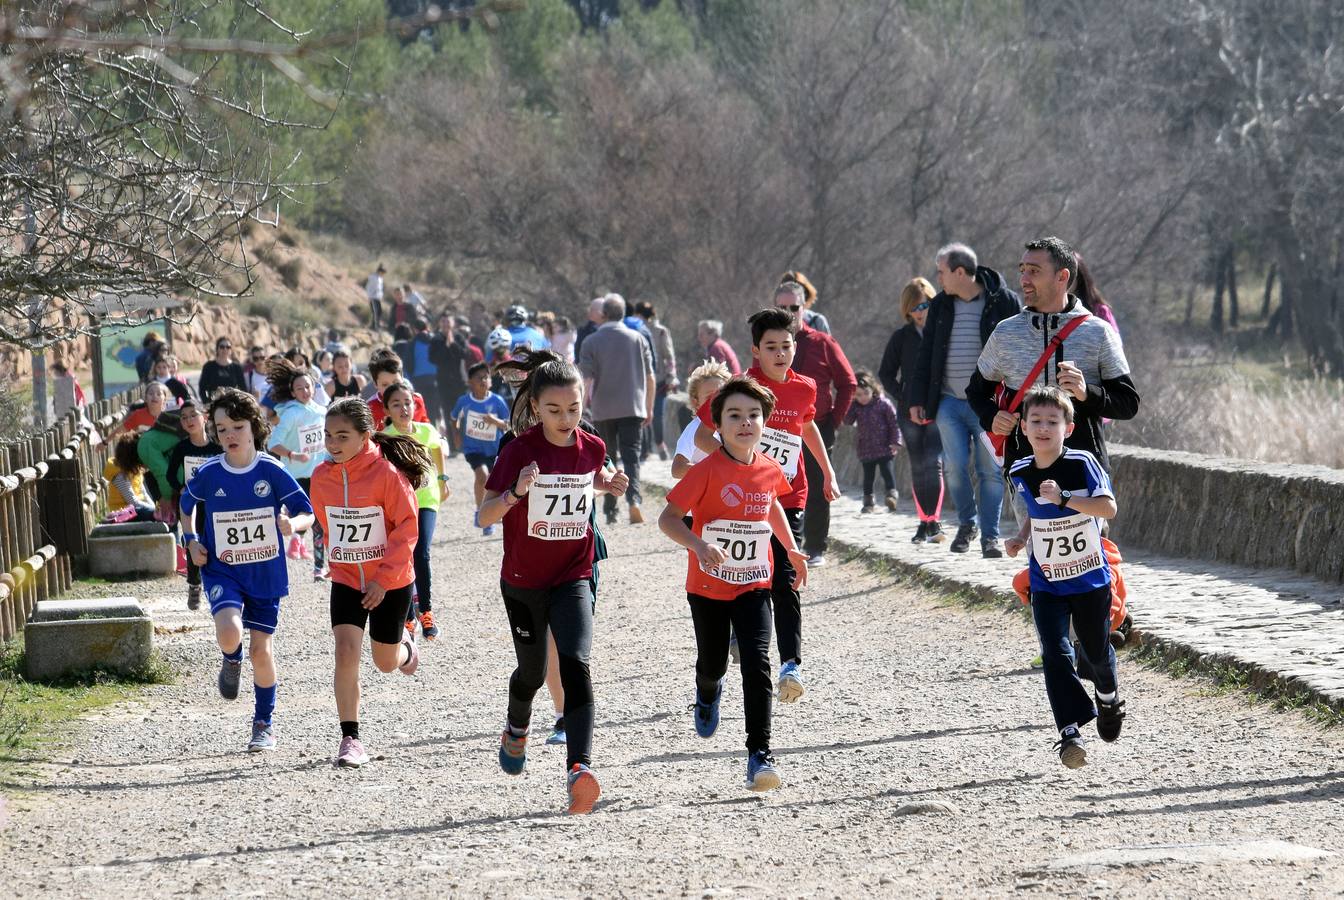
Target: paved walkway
[(1279, 622)]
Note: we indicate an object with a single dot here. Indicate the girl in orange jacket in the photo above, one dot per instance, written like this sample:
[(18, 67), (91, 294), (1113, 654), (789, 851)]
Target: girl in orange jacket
[(364, 498)]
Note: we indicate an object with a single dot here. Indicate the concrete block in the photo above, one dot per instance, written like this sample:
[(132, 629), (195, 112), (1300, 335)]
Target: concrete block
[(68, 636), (132, 555), (127, 529)]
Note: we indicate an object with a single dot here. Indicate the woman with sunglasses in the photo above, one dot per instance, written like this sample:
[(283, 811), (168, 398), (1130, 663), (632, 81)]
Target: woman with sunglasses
[(922, 444), (222, 371)]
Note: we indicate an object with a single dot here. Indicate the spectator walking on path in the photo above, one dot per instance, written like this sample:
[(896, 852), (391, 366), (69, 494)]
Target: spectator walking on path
[(373, 289), (593, 323), (812, 318), (709, 334), (222, 371), (617, 368), (665, 371), (1089, 366), (974, 299), (923, 447), (416, 301), (448, 351), (819, 357)]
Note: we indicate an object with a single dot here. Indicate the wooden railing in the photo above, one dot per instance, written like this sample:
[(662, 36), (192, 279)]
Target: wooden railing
[(51, 494)]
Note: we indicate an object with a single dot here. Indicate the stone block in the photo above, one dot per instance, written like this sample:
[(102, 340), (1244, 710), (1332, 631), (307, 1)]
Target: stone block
[(69, 636), (128, 529), (127, 555)]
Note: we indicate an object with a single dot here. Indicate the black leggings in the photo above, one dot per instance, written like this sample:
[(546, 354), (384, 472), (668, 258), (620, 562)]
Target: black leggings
[(567, 609), (870, 469), (788, 605), (748, 616), (924, 448)]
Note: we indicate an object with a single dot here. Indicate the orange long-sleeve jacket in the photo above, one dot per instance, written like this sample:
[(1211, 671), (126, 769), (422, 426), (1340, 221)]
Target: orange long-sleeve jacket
[(366, 483)]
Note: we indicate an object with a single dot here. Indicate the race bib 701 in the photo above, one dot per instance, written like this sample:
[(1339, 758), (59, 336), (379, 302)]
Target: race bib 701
[(746, 548)]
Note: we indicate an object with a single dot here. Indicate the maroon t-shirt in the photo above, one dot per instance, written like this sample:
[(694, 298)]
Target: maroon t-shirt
[(564, 552)]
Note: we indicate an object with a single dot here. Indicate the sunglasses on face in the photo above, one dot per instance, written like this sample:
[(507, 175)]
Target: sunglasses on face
[(920, 307), (224, 347), (792, 307)]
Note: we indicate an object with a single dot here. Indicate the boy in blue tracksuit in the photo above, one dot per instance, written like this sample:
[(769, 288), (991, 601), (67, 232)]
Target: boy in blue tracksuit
[(251, 503), (1067, 494), (480, 418)]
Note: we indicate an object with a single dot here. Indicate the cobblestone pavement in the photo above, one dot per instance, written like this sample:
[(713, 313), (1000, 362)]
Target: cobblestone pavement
[(918, 764), (1278, 621)]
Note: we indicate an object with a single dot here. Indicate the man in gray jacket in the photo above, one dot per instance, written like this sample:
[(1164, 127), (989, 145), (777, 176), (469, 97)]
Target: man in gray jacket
[(617, 368), (665, 377)]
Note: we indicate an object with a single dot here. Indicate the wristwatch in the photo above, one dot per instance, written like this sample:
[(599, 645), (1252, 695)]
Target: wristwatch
[(1064, 498)]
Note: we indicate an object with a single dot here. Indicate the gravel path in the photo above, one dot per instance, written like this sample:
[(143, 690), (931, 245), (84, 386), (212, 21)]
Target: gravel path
[(918, 764)]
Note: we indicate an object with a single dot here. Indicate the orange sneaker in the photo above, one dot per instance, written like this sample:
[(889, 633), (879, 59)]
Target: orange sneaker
[(427, 627), (410, 627), (583, 789)]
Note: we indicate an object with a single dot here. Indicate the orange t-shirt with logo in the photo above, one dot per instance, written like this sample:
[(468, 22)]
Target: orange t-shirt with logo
[(731, 499)]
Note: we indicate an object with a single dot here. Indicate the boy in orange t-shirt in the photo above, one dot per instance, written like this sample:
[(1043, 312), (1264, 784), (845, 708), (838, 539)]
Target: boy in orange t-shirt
[(733, 498)]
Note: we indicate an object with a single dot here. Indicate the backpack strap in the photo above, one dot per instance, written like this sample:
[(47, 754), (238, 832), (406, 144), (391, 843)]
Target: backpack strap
[(1056, 343)]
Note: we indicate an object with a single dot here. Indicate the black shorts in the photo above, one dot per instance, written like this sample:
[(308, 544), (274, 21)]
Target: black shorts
[(476, 460), (386, 623)]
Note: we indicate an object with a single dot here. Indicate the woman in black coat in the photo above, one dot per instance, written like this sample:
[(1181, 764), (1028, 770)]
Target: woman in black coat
[(921, 441)]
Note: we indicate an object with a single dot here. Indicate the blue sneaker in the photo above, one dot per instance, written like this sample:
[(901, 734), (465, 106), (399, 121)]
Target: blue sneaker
[(558, 735), (263, 738), (230, 673), (761, 772), (790, 683), (512, 752), (476, 519), (707, 714), (488, 531)]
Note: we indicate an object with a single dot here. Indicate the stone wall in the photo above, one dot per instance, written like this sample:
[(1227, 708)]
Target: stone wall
[(1185, 504)]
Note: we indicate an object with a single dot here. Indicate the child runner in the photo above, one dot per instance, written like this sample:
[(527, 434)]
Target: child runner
[(246, 495), (704, 382), (790, 427), (1067, 495), (542, 487), (385, 370), (399, 400), (298, 440), (345, 382), (480, 417), (188, 456), (364, 499), (879, 438), (732, 497)]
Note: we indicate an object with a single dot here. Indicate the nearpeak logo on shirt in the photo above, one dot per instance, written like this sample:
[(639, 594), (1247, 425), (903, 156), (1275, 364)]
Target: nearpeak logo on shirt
[(731, 495), (752, 502)]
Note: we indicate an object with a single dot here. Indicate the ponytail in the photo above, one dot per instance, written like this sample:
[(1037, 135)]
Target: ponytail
[(545, 369), (410, 458)]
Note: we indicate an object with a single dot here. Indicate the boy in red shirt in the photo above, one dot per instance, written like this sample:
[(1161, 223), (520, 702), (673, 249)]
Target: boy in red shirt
[(788, 429), (732, 497)]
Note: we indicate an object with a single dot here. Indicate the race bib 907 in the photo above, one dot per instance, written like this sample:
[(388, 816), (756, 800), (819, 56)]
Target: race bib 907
[(478, 429), (558, 507)]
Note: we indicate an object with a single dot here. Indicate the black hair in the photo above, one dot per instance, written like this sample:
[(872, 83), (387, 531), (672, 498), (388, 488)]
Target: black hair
[(281, 374), (126, 454), (384, 361), (1085, 287), (402, 332), (748, 387), (475, 368), (1060, 253), (409, 457), (242, 407), (545, 369), (772, 318), (386, 397)]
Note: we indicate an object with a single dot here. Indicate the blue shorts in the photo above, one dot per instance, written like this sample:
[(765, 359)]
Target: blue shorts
[(258, 615), (476, 460)]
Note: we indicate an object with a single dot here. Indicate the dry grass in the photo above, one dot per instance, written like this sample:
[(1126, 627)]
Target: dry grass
[(1207, 401)]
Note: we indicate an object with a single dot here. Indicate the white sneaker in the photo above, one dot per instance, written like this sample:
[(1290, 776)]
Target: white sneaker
[(816, 561)]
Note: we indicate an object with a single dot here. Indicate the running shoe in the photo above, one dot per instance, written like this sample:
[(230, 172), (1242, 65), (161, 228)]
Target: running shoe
[(512, 752), (295, 550), (611, 517), (816, 560), (991, 549), (230, 673), (410, 626), (583, 789), (351, 755), (1110, 716), (707, 714), (413, 661), (427, 626), (181, 560), (320, 574), (921, 533), (193, 596), (935, 535), (790, 683), (263, 738), (1072, 753), (636, 515), (965, 534), (304, 552), (734, 651), (761, 772), (869, 504), (558, 735), (488, 531)]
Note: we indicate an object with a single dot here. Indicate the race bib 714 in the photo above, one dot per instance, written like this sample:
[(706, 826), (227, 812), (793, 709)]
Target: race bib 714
[(558, 507)]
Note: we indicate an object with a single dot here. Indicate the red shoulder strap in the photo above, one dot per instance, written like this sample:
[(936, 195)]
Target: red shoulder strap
[(1050, 349)]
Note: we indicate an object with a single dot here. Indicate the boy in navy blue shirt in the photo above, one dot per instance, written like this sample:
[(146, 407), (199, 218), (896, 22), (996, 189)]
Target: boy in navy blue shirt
[(1067, 494), (246, 494), (481, 418)]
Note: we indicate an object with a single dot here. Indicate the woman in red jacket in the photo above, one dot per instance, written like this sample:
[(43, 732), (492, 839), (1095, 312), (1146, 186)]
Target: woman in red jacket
[(365, 500)]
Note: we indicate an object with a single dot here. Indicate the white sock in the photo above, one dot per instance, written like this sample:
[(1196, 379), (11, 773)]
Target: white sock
[(1106, 698), (1073, 725)]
